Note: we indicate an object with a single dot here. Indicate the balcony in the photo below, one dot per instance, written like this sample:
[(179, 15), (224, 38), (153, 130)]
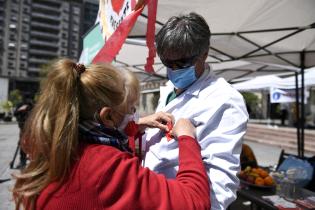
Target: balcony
[(44, 43), (50, 36), (50, 3), (38, 61), (33, 69), (42, 52), (45, 25), (55, 18), (45, 7)]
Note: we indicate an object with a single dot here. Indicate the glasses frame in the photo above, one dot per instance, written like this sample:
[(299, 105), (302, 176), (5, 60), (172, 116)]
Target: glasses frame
[(180, 63)]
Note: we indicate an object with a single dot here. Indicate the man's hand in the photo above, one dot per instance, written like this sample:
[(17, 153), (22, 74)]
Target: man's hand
[(157, 120)]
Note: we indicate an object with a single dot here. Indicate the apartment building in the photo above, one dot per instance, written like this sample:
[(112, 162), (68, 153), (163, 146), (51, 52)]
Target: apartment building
[(34, 32)]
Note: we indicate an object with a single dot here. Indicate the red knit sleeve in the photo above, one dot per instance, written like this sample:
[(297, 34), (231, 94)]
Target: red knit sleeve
[(127, 185)]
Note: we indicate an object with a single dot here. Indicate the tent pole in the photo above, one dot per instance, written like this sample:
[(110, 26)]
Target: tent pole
[(297, 107), (302, 102)]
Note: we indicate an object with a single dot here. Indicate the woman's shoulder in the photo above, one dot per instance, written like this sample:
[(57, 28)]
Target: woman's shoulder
[(96, 159), (97, 152)]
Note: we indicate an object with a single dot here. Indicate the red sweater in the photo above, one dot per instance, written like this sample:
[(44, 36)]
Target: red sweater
[(106, 178)]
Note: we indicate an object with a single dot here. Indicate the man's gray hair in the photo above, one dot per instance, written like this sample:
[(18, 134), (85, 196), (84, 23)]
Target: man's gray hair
[(183, 36)]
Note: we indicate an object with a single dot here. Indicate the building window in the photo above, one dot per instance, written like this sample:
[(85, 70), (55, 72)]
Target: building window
[(76, 10), (25, 10), (25, 28), (12, 26), (24, 45), (11, 65), (23, 65), (13, 18), (74, 53), (26, 19), (11, 44), (75, 28), (12, 37), (74, 38), (23, 56), (24, 37), (14, 9), (64, 35), (11, 55)]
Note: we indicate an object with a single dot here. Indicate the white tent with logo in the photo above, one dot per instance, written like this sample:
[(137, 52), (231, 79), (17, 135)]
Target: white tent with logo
[(274, 36), (267, 33), (258, 83), (289, 82), (272, 81)]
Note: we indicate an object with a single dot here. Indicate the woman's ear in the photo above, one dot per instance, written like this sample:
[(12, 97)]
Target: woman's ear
[(105, 117)]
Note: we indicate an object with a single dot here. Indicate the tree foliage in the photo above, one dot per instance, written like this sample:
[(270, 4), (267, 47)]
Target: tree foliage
[(15, 97)]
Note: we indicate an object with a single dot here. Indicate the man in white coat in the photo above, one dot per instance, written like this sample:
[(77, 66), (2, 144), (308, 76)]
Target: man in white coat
[(216, 109)]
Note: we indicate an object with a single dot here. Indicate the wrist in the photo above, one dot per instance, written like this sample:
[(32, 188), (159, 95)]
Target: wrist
[(142, 125), (184, 137)]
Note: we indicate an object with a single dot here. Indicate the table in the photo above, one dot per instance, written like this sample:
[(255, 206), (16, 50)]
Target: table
[(254, 195)]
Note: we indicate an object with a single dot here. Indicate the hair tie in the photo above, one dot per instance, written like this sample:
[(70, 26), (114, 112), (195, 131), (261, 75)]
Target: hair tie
[(80, 68)]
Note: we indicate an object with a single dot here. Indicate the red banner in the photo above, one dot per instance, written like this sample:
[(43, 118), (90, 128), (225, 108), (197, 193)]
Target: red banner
[(116, 40), (152, 8), (114, 43)]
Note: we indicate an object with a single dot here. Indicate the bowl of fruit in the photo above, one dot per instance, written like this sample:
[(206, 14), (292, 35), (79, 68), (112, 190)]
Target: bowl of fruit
[(256, 177)]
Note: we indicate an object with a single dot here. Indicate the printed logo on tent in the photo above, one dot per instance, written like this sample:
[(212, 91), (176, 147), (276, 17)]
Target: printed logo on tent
[(117, 5), (276, 95), (285, 96), (112, 13)]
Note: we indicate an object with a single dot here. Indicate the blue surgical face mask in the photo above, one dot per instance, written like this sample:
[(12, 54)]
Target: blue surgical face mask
[(182, 78)]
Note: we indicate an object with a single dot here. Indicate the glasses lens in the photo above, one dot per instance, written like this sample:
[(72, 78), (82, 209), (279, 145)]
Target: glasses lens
[(179, 63)]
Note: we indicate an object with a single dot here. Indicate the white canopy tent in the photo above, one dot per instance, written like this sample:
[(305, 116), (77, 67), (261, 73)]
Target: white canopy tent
[(289, 82), (264, 31), (270, 32), (267, 33), (271, 81), (258, 83)]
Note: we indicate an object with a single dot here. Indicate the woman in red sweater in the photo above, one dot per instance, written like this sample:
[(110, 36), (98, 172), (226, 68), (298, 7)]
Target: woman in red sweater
[(80, 160)]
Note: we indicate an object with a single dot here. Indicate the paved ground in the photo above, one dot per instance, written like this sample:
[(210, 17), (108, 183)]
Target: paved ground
[(266, 155), (8, 140)]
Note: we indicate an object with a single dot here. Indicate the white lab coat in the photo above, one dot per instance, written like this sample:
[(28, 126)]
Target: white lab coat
[(219, 114)]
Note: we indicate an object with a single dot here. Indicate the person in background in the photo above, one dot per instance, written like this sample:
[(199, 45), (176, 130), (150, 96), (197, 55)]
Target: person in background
[(21, 113), (216, 109), (79, 154)]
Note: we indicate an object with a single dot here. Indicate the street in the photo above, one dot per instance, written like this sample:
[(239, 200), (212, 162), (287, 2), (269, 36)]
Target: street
[(9, 134)]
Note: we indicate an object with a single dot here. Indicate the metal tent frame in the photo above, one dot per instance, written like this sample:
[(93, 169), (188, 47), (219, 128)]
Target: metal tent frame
[(220, 56)]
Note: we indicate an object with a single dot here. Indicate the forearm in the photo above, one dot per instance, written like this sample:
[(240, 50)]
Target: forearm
[(192, 174)]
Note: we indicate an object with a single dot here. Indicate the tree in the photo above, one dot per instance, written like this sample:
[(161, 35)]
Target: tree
[(252, 103), (15, 97)]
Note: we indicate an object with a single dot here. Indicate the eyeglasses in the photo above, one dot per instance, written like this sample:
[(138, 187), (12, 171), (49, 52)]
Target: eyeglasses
[(180, 63)]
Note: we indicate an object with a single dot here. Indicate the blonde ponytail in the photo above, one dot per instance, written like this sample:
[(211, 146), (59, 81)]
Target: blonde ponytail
[(52, 128)]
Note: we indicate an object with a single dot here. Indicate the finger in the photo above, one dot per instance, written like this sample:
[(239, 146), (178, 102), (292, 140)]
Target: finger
[(162, 127), (165, 117)]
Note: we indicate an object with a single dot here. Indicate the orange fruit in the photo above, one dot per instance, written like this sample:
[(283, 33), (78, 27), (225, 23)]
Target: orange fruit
[(262, 173), (268, 181), (259, 181), (255, 170)]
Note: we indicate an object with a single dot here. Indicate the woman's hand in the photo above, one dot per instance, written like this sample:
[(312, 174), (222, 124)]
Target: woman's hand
[(157, 120), (183, 127)]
